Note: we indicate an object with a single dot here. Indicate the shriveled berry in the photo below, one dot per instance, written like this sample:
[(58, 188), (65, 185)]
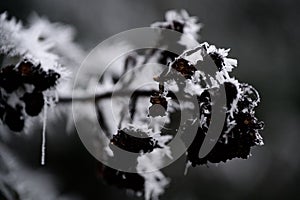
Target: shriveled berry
[(134, 144)]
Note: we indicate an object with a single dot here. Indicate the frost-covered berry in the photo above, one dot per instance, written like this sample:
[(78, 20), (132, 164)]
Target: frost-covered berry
[(184, 67), (159, 106)]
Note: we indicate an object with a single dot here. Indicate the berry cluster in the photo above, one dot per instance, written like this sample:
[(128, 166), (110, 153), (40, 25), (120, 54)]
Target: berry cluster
[(28, 82), (235, 140), (241, 128), (14, 77)]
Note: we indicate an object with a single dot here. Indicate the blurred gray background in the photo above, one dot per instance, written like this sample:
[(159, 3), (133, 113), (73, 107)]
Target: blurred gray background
[(262, 34)]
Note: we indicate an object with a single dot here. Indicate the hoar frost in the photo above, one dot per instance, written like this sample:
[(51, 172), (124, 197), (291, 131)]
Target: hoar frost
[(39, 57)]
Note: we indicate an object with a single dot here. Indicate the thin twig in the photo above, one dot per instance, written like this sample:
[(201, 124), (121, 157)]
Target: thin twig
[(98, 97)]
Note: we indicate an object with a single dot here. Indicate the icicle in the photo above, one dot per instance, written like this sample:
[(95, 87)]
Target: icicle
[(187, 166), (43, 148)]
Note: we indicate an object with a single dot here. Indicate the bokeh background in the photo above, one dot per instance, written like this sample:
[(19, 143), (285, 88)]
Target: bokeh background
[(262, 34)]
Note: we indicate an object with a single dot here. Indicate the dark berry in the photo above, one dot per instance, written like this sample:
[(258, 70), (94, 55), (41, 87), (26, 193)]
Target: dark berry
[(9, 79), (14, 118), (46, 80), (184, 67), (34, 103), (178, 26), (231, 93), (25, 68)]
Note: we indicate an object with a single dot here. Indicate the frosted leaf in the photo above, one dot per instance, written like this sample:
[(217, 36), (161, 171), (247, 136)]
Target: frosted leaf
[(24, 42), (41, 41), (180, 21), (9, 35), (192, 88), (61, 37), (155, 181)]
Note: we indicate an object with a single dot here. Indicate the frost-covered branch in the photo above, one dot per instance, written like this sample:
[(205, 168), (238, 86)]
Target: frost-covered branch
[(106, 95), (39, 58)]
